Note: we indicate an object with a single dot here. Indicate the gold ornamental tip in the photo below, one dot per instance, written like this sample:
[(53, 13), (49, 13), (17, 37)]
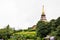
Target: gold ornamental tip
[(43, 10)]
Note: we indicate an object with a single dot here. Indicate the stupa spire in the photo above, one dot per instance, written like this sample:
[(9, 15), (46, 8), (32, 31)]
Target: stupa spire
[(43, 10), (43, 16)]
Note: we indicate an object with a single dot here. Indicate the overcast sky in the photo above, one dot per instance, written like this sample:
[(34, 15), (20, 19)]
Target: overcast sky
[(21, 14)]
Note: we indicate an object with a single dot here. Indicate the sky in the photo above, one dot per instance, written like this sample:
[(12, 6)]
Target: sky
[(21, 14)]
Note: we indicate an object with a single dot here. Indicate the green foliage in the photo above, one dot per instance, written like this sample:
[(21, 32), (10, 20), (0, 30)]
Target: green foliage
[(58, 21), (57, 38), (58, 31), (6, 32), (52, 25), (38, 38), (51, 28), (58, 28), (27, 34), (42, 29)]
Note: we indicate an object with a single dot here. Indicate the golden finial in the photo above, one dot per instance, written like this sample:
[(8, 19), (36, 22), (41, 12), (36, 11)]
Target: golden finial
[(43, 10)]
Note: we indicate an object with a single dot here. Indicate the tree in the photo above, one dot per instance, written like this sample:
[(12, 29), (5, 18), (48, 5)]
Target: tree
[(51, 25), (9, 31), (6, 32), (57, 21), (42, 29), (57, 33)]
